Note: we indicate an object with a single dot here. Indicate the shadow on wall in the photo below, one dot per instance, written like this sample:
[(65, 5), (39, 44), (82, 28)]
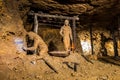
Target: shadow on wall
[(52, 47), (52, 38)]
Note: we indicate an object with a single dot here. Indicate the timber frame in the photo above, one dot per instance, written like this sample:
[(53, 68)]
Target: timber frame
[(74, 18)]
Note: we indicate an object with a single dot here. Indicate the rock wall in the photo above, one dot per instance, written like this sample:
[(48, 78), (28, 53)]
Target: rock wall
[(11, 26), (102, 41)]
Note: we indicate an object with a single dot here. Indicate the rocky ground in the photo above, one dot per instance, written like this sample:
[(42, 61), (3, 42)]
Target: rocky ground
[(30, 67), (19, 66)]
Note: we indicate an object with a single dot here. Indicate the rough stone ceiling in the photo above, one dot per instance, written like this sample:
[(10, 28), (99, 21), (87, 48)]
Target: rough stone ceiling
[(96, 10), (76, 6)]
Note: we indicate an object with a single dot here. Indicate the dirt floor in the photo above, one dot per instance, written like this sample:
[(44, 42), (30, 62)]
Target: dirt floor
[(19, 66), (31, 67)]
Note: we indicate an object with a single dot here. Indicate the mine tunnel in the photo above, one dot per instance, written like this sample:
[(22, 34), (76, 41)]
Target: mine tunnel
[(59, 40)]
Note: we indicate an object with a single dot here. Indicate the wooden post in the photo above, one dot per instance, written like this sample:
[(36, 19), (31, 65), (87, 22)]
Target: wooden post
[(74, 33), (112, 31), (91, 39), (119, 27), (35, 24), (114, 43), (35, 27)]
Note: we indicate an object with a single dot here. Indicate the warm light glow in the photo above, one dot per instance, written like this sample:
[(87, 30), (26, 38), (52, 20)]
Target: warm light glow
[(86, 47)]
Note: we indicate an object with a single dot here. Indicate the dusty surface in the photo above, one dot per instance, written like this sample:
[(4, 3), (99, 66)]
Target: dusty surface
[(18, 66), (13, 67)]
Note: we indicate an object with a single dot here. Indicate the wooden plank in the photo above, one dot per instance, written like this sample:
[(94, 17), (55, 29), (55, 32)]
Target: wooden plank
[(111, 60), (48, 64)]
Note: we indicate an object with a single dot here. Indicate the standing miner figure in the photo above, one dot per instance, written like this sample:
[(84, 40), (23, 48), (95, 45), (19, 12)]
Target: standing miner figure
[(66, 33)]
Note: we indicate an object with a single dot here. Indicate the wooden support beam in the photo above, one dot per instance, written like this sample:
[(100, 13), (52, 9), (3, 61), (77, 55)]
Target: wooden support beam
[(91, 39), (114, 39), (35, 24), (74, 32), (48, 64), (54, 16), (114, 44), (118, 27)]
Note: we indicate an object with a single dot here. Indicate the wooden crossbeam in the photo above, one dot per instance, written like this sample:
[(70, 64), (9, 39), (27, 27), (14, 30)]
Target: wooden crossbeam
[(54, 16)]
